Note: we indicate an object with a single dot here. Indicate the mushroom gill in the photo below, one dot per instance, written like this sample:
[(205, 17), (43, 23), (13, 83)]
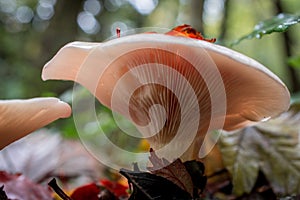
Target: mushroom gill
[(174, 89)]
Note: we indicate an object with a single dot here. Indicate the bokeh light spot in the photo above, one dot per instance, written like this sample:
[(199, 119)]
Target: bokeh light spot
[(8, 6), (144, 7), (88, 23), (24, 14), (92, 6), (45, 11)]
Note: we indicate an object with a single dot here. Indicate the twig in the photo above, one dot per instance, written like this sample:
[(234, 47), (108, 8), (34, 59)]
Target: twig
[(58, 190)]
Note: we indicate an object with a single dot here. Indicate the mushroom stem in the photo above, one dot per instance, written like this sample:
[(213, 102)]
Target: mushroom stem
[(192, 152)]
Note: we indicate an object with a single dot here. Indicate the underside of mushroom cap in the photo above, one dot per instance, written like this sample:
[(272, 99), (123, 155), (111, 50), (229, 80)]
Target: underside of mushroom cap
[(253, 93), (119, 73)]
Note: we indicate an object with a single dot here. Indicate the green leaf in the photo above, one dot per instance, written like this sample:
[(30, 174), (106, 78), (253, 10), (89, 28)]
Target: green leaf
[(279, 23), (272, 147), (294, 62)]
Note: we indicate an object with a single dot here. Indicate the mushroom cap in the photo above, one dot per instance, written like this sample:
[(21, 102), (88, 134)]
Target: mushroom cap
[(21, 117), (132, 73)]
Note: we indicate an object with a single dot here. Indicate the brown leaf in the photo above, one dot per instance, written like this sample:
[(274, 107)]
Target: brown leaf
[(174, 172)]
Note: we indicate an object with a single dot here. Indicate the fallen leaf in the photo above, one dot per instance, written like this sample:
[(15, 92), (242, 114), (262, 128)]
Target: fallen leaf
[(17, 186), (148, 186), (175, 172), (166, 180), (196, 172), (56, 156), (186, 30), (119, 190), (271, 147), (89, 191)]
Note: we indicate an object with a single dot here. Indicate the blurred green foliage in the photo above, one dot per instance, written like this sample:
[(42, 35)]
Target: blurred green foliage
[(294, 61), (32, 31)]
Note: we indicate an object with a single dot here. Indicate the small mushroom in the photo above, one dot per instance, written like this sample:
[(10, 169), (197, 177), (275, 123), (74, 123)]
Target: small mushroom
[(21, 117), (169, 85)]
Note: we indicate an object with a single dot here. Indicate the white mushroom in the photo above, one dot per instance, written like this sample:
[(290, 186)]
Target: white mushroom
[(21, 117), (133, 74)]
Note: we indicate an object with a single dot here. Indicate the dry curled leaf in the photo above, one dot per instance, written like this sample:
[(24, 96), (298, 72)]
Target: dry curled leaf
[(175, 172), (167, 180), (148, 186)]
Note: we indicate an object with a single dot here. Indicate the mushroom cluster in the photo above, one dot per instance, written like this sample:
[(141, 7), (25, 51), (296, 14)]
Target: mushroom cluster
[(174, 89)]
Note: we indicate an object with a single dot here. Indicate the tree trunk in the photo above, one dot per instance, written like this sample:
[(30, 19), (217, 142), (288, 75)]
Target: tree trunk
[(287, 39), (63, 26), (223, 30), (63, 29), (196, 14)]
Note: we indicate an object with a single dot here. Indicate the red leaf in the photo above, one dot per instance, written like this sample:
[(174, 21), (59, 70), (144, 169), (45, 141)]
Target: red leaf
[(17, 186), (89, 191), (92, 191), (116, 188), (186, 30)]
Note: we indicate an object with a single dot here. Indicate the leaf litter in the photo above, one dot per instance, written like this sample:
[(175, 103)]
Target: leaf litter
[(271, 147)]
